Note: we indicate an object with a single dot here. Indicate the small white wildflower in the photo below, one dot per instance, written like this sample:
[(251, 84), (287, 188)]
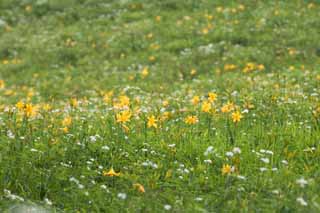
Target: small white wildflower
[(236, 150), (229, 154), (105, 148), (198, 199), (122, 196), (208, 161), (47, 201), (284, 162), (302, 201), (241, 177), (265, 160), (167, 207), (263, 169), (302, 182)]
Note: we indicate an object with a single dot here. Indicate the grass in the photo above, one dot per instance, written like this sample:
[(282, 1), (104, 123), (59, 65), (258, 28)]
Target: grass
[(197, 106)]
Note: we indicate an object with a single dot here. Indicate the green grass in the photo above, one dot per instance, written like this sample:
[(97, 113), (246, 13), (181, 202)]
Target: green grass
[(68, 63)]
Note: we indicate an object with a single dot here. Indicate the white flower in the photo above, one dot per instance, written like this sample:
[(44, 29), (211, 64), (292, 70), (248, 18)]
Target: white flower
[(122, 196), (167, 207), (208, 151), (302, 182), (47, 201), (208, 161), (302, 201), (105, 148), (263, 169), (229, 154), (236, 150), (265, 160), (241, 177)]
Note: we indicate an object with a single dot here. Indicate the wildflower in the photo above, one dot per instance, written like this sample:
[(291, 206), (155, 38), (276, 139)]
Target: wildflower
[(302, 201), (302, 182), (20, 105), (226, 169), (111, 173), (158, 18), (227, 107), (212, 97), (191, 119), (123, 117), (67, 121), (167, 207), (206, 106), (30, 110), (152, 122), (122, 196), (139, 187), (236, 116), (165, 103), (145, 72), (193, 72), (124, 101), (74, 102), (195, 100), (2, 84)]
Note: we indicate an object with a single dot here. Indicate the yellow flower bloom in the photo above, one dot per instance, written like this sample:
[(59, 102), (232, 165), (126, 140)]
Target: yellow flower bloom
[(123, 116), (212, 97), (30, 110), (165, 103), (206, 106), (2, 84), (236, 116), (145, 72), (152, 122), (111, 173), (195, 100), (67, 121), (139, 187), (74, 102), (227, 107), (20, 105), (191, 119), (226, 169), (193, 72)]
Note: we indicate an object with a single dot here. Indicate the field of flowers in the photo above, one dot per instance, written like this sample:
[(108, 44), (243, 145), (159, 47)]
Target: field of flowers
[(160, 106)]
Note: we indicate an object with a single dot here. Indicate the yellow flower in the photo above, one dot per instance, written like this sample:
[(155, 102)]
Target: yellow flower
[(206, 106), (20, 105), (145, 72), (2, 84), (191, 119), (74, 102), (139, 187), (260, 67), (165, 103), (212, 97), (28, 8), (30, 110), (65, 129), (67, 121), (226, 169), (158, 18), (227, 107), (193, 72), (195, 100), (124, 101), (111, 173), (236, 116), (46, 107), (123, 116), (165, 116), (152, 122)]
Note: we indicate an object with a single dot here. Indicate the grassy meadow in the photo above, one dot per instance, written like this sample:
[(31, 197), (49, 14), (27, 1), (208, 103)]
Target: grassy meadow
[(160, 106)]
